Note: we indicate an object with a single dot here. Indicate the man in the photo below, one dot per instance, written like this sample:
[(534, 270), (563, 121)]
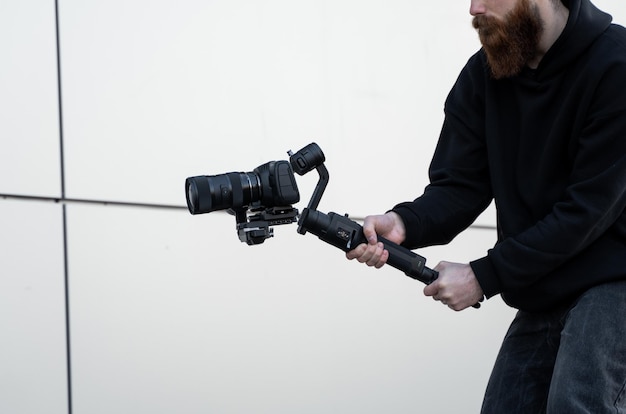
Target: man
[(537, 122)]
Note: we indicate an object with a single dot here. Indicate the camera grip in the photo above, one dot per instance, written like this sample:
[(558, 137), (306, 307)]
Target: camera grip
[(346, 234)]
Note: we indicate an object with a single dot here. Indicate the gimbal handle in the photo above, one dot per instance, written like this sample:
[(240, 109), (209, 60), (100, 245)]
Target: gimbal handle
[(346, 234)]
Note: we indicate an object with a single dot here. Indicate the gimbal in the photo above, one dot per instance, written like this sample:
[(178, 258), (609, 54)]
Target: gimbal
[(263, 198)]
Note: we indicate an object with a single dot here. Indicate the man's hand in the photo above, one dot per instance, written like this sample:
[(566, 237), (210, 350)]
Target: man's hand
[(456, 286), (390, 226)]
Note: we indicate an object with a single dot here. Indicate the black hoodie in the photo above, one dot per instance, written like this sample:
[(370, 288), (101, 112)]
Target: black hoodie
[(549, 146)]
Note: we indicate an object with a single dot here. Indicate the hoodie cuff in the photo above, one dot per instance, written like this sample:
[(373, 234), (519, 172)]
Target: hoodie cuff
[(487, 277), (412, 226)]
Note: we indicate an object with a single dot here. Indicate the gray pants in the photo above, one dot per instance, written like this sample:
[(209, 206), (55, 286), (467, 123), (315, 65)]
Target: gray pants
[(568, 361)]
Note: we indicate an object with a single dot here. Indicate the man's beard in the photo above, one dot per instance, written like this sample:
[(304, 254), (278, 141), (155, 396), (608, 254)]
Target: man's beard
[(512, 43)]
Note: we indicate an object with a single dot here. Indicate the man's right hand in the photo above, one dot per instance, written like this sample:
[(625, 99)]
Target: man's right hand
[(388, 225)]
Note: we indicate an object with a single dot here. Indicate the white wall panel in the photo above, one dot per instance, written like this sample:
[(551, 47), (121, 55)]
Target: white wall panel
[(171, 313), (157, 93), (29, 127), (615, 8), (153, 94), (33, 377)]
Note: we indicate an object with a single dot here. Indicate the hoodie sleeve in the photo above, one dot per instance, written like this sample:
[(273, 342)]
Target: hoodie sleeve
[(459, 188)]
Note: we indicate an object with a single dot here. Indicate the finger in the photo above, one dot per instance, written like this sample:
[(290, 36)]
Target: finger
[(375, 258), (356, 252), (477, 304), (432, 289), (369, 231), (443, 299), (456, 308), (383, 259), (367, 255)]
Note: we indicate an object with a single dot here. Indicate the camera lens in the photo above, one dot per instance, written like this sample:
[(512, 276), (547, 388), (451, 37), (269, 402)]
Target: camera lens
[(192, 196), (269, 185), (192, 193), (206, 193)]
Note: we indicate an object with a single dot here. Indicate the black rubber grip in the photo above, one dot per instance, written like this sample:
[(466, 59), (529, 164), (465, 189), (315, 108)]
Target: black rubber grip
[(342, 232), (412, 264), (346, 234)]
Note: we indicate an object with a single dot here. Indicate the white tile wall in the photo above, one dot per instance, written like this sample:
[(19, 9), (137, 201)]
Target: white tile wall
[(33, 378), (29, 115), (170, 312)]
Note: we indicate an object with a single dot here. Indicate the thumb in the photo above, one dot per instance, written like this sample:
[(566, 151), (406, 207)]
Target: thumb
[(369, 232), (432, 289)]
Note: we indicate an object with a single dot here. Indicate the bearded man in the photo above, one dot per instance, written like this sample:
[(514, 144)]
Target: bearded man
[(537, 122)]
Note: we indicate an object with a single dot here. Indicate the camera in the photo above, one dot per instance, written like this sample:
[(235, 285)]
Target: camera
[(259, 199), (269, 185)]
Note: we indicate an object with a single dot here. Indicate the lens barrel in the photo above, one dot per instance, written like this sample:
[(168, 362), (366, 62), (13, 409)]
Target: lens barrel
[(207, 193), (269, 185)]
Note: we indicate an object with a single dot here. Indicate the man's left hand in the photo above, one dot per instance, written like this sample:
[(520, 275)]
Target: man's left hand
[(456, 286)]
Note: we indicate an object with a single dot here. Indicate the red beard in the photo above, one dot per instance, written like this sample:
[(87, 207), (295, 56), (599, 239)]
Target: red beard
[(512, 43)]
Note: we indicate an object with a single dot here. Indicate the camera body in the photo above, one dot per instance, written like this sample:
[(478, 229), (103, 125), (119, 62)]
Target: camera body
[(259, 199)]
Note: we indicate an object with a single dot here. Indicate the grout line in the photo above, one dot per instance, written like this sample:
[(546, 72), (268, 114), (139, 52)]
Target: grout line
[(64, 201), (68, 349)]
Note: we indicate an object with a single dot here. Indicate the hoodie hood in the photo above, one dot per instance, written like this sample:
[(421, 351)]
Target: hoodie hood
[(584, 24)]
